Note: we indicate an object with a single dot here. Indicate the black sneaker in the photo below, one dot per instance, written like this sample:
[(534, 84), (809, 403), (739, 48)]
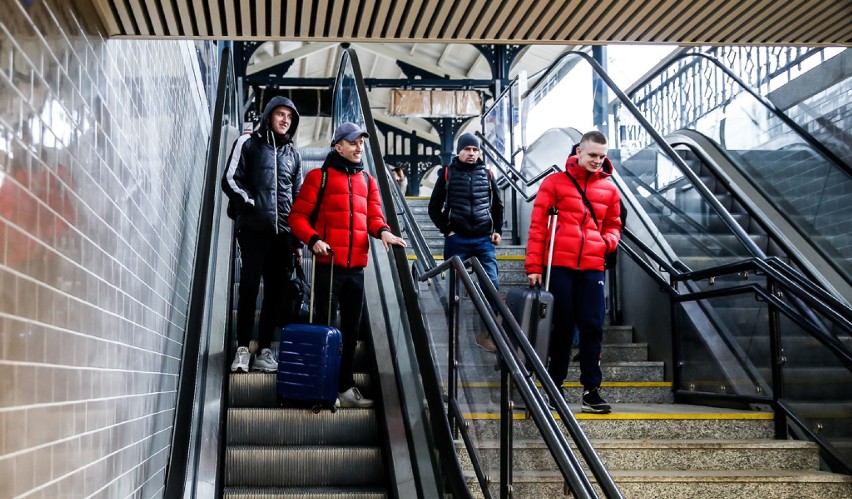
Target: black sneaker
[(592, 402)]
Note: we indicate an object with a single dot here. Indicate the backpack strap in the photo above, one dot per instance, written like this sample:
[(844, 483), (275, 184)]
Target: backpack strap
[(314, 214)]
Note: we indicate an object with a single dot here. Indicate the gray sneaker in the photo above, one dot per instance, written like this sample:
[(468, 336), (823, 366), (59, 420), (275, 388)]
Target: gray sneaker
[(353, 398), (267, 361), (241, 360)]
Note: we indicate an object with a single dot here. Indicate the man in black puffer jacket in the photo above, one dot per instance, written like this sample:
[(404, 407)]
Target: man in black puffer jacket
[(466, 207), (261, 180)]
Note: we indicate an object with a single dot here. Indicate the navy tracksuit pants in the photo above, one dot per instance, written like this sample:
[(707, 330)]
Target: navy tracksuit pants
[(578, 297)]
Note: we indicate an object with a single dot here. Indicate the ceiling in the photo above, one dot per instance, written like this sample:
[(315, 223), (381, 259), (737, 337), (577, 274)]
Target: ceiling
[(437, 35), (579, 22)]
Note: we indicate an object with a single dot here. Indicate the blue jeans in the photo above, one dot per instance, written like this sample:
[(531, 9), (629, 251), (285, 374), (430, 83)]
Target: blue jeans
[(578, 297), (480, 247)]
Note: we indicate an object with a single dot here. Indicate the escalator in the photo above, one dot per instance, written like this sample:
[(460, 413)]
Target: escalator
[(238, 441), (273, 451)]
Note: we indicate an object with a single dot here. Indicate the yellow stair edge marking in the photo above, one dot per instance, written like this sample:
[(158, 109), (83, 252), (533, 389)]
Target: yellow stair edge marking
[(757, 416), (418, 197), (574, 384)]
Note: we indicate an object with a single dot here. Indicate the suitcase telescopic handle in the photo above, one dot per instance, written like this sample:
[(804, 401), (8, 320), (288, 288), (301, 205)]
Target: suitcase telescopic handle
[(330, 285), (551, 222)]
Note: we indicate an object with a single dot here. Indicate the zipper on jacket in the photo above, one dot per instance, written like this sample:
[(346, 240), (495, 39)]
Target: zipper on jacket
[(351, 220), (582, 241), (275, 165), (586, 216)]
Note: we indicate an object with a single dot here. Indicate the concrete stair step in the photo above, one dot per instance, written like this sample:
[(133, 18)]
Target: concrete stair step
[(612, 352), (643, 422), (641, 484), (485, 397), (668, 455)]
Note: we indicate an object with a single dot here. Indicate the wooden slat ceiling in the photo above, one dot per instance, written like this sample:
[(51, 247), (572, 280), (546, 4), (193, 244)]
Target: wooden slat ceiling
[(693, 22)]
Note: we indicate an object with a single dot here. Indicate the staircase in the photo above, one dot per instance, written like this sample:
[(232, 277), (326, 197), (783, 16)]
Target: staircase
[(652, 447)]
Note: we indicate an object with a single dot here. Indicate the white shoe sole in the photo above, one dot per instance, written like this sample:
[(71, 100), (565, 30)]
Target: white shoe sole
[(265, 369)]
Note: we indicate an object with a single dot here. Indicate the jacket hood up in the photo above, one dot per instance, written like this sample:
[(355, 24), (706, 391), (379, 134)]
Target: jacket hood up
[(263, 130)]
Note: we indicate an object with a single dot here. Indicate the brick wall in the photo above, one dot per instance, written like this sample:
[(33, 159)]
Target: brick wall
[(102, 149)]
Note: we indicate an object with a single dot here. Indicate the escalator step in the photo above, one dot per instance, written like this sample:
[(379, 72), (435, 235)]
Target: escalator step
[(256, 465), (258, 389), (301, 427), (303, 493)]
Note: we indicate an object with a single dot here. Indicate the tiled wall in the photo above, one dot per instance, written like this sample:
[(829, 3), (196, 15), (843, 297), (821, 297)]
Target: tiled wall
[(102, 150)]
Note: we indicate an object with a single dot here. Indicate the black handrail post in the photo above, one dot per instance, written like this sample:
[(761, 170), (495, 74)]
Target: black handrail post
[(777, 358), (677, 368), (505, 431), (516, 218), (452, 363)]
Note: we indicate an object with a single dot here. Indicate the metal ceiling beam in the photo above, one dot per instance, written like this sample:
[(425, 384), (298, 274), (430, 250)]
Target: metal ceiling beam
[(409, 83), (396, 54), (290, 55)]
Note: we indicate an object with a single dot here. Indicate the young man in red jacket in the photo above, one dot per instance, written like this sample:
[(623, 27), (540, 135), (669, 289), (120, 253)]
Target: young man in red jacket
[(350, 211), (586, 230)]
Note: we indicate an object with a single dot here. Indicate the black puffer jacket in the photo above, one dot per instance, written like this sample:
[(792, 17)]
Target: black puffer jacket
[(264, 174), (465, 200)]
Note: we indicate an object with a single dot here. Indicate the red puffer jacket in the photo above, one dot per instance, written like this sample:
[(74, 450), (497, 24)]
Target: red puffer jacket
[(580, 245), (348, 214)]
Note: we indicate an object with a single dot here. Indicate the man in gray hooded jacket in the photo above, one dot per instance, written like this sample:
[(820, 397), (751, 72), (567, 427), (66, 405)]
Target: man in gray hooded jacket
[(261, 180)]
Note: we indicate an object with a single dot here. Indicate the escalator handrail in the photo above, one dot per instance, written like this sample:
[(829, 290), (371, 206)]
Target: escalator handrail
[(190, 374), (810, 139), (696, 227), (510, 173), (453, 476), (689, 138), (675, 158)]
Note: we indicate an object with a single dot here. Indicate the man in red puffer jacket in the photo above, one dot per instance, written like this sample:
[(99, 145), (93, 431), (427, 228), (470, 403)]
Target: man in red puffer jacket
[(586, 230), (341, 221)]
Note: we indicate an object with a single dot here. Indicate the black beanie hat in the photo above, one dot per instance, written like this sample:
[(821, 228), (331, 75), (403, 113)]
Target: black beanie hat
[(466, 140)]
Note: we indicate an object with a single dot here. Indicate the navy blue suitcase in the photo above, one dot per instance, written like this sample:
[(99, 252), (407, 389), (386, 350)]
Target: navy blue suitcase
[(309, 362)]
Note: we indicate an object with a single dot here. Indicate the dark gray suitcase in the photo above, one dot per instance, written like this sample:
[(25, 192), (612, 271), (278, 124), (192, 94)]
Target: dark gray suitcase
[(533, 309)]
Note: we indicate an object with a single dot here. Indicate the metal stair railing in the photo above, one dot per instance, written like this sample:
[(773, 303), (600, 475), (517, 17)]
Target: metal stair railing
[(508, 342)]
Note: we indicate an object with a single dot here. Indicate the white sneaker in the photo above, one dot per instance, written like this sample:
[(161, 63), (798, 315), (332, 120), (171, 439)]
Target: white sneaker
[(241, 360), (353, 398), (267, 361)]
